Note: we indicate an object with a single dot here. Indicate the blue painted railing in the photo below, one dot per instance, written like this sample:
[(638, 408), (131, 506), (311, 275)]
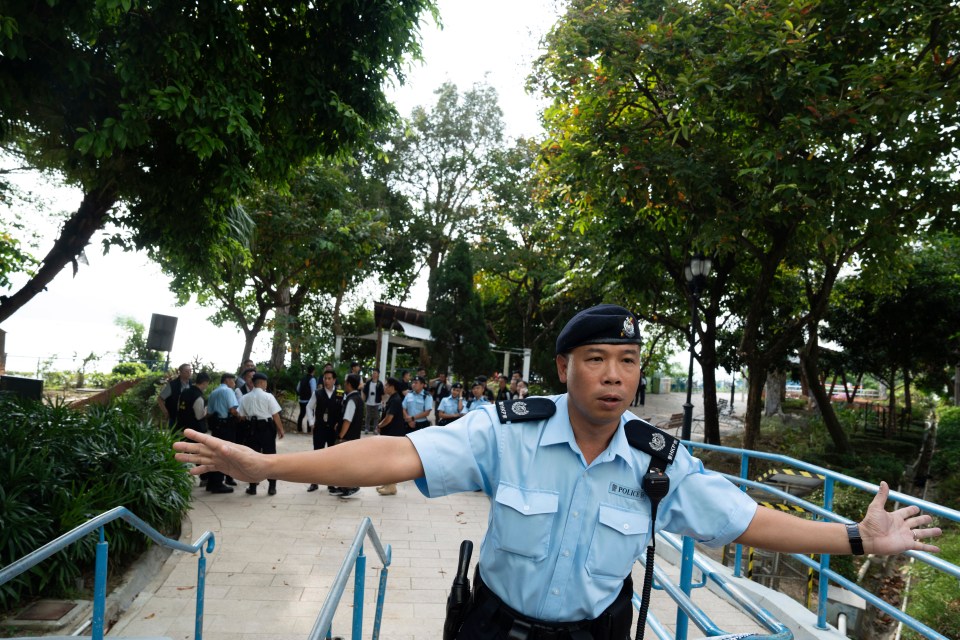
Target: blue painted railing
[(204, 544), (824, 512), (356, 562)]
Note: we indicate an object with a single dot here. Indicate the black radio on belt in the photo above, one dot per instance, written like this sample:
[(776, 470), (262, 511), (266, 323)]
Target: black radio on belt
[(662, 448)]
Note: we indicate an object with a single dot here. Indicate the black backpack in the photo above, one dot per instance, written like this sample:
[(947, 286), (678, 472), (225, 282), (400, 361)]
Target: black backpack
[(303, 389)]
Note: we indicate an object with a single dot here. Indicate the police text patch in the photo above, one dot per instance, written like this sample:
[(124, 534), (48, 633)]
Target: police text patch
[(635, 493)]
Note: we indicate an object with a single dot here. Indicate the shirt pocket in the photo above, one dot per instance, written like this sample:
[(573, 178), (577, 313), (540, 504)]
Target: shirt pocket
[(617, 541), (524, 520)]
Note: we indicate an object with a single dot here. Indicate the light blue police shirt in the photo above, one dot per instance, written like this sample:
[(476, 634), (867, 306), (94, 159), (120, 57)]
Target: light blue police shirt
[(415, 403), (562, 535), (221, 400), (450, 405), (478, 403)]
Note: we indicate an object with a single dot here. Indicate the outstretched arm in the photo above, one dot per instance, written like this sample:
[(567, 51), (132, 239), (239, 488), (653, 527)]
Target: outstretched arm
[(883, 532), (346, 465)]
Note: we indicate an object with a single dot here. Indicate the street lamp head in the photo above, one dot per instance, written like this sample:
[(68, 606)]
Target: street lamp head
[(700, 265)]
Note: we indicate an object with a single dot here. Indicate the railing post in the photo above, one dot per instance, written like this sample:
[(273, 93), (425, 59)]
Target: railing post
[(744, 472), (201, 583), (686, 578), (381, 594), (824, 561), (359, 578), (100, 587)]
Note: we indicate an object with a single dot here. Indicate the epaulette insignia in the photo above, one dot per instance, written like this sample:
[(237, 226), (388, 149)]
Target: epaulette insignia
[(646, 437), (525, 410)]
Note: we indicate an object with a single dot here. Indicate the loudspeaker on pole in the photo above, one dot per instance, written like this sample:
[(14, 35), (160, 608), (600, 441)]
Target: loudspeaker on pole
[(162, 330)]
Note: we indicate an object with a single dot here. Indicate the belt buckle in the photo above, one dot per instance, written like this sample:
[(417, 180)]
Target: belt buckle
[(519, 630)]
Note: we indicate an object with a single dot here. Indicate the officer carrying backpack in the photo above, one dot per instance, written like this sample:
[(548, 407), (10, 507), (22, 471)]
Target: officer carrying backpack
[(303, 389)]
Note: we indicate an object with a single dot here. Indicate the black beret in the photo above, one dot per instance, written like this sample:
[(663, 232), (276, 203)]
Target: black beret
[(456, 385), (259, 376), (603, 324)]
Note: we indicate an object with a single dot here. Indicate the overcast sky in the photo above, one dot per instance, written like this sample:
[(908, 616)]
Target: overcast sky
[(494, 41)]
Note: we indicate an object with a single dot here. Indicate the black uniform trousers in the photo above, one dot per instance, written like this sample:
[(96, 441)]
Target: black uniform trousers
[(225, 429), (489, 618), (263, 438)]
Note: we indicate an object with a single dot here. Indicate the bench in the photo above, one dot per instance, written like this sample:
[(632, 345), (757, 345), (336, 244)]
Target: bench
[(721, 405), (673, 424)]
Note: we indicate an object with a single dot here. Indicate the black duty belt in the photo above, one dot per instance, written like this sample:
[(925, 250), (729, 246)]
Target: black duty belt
[(516, 625)]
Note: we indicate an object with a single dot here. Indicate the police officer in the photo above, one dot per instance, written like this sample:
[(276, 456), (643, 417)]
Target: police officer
[(323, 416), (451, 407), (351, 423), (169, 398), (262, 413), (417, 404), (568, 516), (222, 417)]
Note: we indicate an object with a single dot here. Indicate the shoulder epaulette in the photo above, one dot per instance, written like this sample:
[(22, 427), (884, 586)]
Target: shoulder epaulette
[(646, 437), (525, 410)]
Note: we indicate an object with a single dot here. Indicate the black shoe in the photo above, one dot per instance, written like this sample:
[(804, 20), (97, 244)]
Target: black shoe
[(203, 482), (313, 487), (333, 490), (230, 482), (220, 489), (349, 492), (252, 490), (272, 491)]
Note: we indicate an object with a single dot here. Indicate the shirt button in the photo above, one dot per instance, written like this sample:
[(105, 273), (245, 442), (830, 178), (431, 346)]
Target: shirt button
[(555, 592), (526, 507), (576, 514), (626, 526), (566, 553)]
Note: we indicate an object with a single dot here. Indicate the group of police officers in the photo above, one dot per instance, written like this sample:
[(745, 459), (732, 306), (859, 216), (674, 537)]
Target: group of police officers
[(240, 410)]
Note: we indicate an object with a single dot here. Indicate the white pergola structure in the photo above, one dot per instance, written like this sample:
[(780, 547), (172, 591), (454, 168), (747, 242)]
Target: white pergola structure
[(404, 327)]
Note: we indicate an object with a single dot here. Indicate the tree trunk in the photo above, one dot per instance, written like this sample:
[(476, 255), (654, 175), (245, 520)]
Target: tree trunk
[(921, 469), (708, 365), (756, 373), (809, 361), (892, 406), (773, 404), (76, 234), (956, 386), (281, 320), (907, 404), (248, 337)]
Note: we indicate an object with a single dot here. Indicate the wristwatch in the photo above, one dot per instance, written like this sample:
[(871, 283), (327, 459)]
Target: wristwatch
[(856, 542)]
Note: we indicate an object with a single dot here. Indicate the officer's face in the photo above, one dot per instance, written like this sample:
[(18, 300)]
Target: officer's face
[(231, 382), (328, 380), (417, 386), (601, 380)]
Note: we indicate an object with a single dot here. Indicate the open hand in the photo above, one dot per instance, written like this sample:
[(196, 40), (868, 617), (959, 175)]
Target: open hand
[(213, 454), (888, 532)]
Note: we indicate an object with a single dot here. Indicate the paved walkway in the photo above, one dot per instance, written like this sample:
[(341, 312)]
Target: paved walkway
[(277, 555)]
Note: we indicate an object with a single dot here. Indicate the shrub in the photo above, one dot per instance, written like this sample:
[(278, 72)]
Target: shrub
[(946, 460), (128, 370), (59, 467), (934, 596)]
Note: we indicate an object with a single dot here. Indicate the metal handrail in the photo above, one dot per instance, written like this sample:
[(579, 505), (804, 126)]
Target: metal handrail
[(778, 631), (825, 512), (356, 561), (37, 556)]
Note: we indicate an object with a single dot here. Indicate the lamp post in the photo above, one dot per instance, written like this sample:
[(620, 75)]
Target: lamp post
[(695, 274)]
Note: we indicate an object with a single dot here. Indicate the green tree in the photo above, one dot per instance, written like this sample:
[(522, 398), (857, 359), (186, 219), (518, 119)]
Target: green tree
[(134, 347), (311, 240), (439, 159), (456, 316), (783, 139), (163, 113), (903, 331)]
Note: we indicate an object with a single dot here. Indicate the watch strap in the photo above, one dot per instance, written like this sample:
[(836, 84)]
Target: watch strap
[(856, 542)]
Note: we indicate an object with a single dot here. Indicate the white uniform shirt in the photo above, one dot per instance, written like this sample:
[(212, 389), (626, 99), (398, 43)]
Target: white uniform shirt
[(259, 405)]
